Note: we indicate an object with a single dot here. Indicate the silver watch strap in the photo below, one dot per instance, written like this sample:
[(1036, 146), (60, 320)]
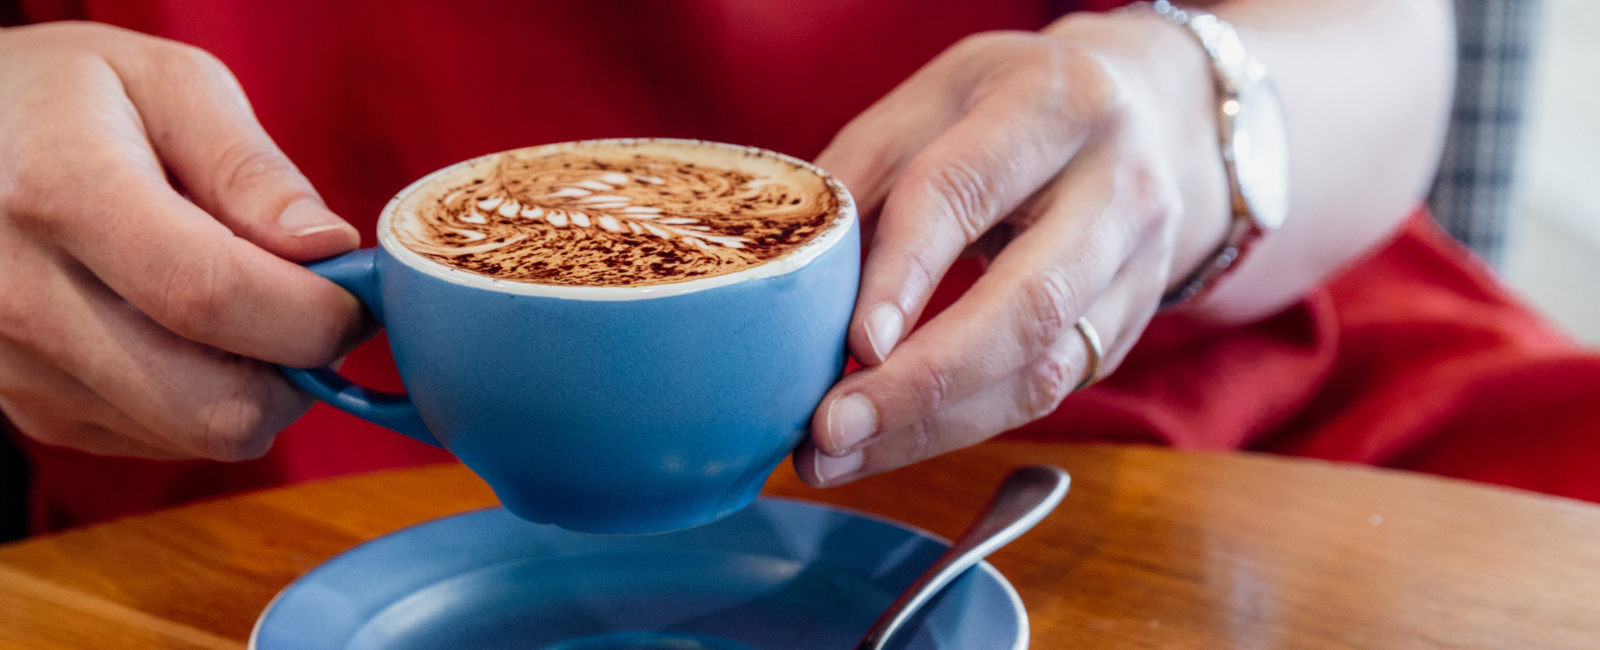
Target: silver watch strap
[(1233, 70)]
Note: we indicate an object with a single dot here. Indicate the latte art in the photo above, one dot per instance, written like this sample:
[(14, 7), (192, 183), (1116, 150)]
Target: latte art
[(616, 213)]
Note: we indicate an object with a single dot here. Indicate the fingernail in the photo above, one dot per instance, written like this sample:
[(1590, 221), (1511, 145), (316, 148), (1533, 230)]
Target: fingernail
[(884, 323), (851, 419), (307, 217), (828, 468)]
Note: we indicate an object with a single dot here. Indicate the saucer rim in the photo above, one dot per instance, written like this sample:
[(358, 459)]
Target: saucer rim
[(1015, 599)]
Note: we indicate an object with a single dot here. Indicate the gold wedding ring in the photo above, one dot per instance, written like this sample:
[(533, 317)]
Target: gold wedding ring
[(1091, 340)]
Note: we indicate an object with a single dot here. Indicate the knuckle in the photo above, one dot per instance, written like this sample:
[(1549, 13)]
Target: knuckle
[(326, 348), (43, 198), (922, 437), (1040, 57), (28, 414), (247, 164), (1049, 381), (234, 426), (23, 330), (930, 385), (34, 182), (922, 275), (1057, 78), (202, 59), (987, 41), (92, 39), (963, 194), (183, 70), (55, 174), (1063, 81), (1094, 91), (179, 58), (50, 432), (30, 321), (1047, 302), (969, 44), (33, 192), (1154, 194), (81, 32), (194, 299), (16, 318), (231, 431)]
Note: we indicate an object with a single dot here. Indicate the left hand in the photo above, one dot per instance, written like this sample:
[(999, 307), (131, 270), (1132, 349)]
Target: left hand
[(1080, 164)]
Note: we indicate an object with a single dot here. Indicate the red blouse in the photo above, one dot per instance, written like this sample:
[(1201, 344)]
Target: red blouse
[(1415, 357)]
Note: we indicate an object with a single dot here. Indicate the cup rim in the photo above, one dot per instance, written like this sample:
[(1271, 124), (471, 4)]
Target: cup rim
[(782, 265)]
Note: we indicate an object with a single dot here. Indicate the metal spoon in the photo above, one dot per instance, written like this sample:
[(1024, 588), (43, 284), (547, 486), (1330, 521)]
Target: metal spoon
[(1023, 499)]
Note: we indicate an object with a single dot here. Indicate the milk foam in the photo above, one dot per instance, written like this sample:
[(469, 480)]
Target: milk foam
[(615, 213)]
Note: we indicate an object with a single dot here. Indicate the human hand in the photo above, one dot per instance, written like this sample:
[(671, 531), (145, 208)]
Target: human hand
[(135, 320), (1081, 164)]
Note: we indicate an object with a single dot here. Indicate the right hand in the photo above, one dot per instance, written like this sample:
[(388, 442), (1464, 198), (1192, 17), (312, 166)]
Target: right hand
[(136, 319)]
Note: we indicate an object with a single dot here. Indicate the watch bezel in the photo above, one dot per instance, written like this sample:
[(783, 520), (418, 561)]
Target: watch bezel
[(1260, 167)]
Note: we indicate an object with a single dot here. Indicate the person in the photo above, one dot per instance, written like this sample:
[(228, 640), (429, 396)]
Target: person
[(159, 191)]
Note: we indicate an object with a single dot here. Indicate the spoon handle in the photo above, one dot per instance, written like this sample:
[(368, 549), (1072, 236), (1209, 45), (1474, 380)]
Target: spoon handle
[(1023, 499)]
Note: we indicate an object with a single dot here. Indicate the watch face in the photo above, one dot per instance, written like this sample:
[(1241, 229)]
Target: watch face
[(1261, 154)]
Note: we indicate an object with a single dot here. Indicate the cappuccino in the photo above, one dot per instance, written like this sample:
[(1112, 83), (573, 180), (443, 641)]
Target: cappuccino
[(616, 212)]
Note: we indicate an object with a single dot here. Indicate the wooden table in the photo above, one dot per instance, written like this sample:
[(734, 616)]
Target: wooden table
[(1151, 549)]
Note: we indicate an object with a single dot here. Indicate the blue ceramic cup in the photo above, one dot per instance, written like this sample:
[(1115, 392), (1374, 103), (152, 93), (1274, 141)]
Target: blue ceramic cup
[(618, 410)]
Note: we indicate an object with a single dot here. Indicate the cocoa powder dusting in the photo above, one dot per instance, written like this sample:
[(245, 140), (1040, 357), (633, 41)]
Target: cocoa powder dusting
[(613, 216)]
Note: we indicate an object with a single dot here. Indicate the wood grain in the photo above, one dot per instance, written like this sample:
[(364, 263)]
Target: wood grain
[(1151, 549)]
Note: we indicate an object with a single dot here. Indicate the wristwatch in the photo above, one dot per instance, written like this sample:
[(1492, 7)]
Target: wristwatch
[(1254, 143)]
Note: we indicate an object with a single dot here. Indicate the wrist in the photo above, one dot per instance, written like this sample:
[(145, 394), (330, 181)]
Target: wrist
[(1167, 88)]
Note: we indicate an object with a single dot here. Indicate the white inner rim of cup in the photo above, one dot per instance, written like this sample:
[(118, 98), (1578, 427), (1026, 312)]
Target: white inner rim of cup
[(781, 265)]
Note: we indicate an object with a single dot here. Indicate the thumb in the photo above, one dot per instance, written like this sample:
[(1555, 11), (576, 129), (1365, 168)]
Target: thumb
[(200, 124)]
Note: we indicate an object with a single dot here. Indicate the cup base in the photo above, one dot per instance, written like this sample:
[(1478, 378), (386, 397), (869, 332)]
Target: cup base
[(635, 524)]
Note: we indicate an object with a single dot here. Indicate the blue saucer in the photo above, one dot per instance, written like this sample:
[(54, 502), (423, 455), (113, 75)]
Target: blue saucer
[(779, 575)]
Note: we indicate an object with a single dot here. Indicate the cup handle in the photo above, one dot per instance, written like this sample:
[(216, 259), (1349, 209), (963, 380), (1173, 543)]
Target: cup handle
[(357, 272)]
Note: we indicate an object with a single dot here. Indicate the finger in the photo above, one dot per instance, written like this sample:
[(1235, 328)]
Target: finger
[(200, 124), (198, 399), (43, 400), (1022, 127), (1033, 391), (1030, 392), (95, 191), (50, 406), (170, 392), (868, 154), (1028, 298), (199, 281), (56, 431)]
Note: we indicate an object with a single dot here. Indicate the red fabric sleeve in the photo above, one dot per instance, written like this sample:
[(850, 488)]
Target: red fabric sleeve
[(1416, 358)]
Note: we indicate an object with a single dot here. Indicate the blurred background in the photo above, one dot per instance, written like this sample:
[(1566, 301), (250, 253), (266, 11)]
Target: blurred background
[(1552, 243)]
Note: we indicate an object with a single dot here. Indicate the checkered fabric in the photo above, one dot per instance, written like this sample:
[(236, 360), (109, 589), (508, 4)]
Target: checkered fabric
[(1494, 46)]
